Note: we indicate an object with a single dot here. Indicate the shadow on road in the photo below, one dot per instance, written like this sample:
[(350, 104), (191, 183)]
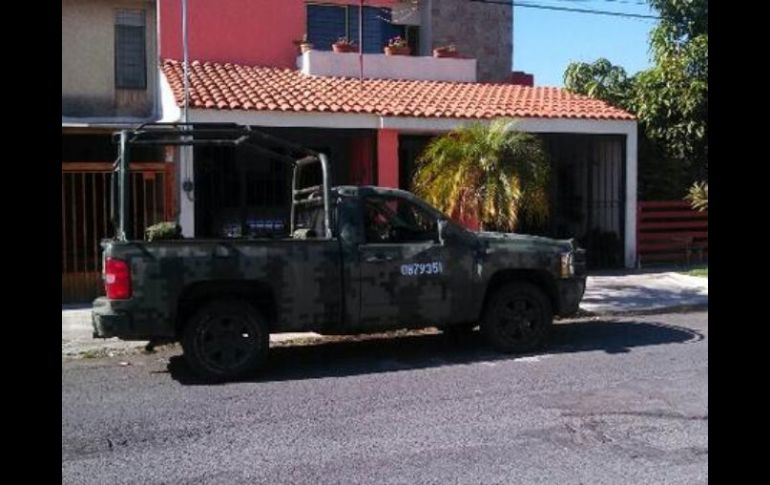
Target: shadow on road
[(389, 354)]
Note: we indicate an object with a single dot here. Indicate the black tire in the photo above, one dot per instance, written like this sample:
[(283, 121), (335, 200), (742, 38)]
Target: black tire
[(225, 340), (517, 318)]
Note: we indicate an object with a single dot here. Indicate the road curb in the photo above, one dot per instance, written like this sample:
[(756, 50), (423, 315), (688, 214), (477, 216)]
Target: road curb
[(82, 346), (108, 350), (649, 311), (97, 348)]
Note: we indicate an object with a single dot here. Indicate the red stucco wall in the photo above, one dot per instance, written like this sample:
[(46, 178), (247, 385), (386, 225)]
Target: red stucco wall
[(251, 32), (387, 158), (362, 160)]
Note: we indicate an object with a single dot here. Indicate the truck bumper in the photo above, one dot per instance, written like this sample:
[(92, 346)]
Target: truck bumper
[(570, 293), (107, 322), (118, 319)]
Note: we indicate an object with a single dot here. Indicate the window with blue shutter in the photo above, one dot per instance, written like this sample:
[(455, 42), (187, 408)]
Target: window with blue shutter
[(130, 61), (327, 23)]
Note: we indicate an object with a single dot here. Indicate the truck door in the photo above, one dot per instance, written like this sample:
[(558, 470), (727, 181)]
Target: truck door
[(403, 267)]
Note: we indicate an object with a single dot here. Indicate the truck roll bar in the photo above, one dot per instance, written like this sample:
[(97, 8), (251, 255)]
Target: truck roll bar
[(218, 134)]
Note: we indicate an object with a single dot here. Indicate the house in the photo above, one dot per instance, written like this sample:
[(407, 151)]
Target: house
[(373, 113), (110, 80)]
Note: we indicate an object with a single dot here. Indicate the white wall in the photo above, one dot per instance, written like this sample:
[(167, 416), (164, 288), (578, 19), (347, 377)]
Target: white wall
[(381, 66), (88, 67)]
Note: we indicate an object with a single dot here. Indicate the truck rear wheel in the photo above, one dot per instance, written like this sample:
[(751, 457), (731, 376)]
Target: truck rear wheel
[(517, 318), (225, 340)]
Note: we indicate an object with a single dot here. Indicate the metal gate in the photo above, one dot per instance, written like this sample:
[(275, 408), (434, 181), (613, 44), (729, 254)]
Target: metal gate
[(86, 195), (588, 194)]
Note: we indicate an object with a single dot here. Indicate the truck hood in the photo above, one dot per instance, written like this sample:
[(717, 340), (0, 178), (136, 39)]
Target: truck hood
[(525, 241)]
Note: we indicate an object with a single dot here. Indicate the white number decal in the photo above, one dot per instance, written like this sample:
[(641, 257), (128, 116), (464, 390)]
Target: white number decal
[(416, 269)]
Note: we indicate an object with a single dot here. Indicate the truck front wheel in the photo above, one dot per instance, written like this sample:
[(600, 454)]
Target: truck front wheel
[(517, 318), (225, 340)]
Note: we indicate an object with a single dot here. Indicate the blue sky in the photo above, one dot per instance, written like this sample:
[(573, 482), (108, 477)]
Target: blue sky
[(546, 41)]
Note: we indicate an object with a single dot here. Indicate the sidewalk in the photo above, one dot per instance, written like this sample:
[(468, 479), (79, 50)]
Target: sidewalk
[(607, 293), (643, 291)]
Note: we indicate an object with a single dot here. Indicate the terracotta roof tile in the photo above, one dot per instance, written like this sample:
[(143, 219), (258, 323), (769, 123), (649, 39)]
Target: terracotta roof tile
[(238, 87)]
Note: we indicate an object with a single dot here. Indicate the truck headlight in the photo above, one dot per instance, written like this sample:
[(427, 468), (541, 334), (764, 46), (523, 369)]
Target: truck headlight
[(567, 265)]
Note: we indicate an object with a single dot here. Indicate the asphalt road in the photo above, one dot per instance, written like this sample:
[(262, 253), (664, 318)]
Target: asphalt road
[(621, 400)]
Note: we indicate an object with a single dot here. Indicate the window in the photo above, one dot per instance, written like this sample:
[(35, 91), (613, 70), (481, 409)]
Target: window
[(130, 62), (327, 23), (395, 220)]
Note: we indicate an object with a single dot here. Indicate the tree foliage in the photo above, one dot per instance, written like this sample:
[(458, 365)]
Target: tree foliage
[(490, 172), (670, 99), (600, 79)]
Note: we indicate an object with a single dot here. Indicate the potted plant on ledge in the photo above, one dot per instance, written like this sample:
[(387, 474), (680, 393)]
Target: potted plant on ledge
[(397, 47), (344, 45), (446, 51), (303, 44)]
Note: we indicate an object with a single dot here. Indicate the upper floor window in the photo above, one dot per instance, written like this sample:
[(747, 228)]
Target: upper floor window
[(130, 61), (327, 23)]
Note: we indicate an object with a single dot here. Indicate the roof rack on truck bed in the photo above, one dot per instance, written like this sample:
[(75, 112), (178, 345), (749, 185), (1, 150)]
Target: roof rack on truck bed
[(218, 134)]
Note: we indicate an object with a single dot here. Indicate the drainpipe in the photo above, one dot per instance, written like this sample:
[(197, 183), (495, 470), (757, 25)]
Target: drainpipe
[(361, 44), (184, 62), (123, 230), (186, 203), (157, 105)]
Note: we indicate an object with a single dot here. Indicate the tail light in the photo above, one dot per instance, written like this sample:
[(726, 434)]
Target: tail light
[(117, 279)]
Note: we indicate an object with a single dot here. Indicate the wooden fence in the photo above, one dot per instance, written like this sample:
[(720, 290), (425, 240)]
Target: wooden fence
[(671, 231)]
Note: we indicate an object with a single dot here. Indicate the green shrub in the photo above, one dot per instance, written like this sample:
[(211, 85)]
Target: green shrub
[(163, 230)]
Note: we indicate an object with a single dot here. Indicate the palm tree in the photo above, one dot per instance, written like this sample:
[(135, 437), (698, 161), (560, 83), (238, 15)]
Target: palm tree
[(490, 173), (698, 196)]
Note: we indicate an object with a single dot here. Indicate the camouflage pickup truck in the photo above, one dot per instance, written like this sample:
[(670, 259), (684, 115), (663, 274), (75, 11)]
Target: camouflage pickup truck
[(356, 260)]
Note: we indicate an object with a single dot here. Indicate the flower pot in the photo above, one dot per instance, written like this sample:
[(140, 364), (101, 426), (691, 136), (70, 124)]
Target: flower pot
[(445, 53), (398, 51), (344, 48)]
